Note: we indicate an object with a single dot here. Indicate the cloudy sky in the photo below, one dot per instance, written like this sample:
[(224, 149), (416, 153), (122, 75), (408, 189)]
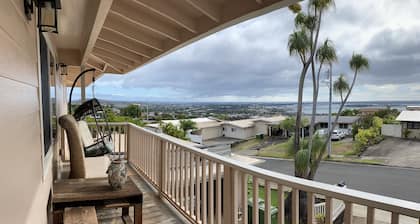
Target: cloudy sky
[(250, 61)]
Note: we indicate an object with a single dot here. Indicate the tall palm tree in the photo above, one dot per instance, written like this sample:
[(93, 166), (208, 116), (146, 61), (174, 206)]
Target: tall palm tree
[(357, 63), (299, 44), (341, 86), (325, 55)]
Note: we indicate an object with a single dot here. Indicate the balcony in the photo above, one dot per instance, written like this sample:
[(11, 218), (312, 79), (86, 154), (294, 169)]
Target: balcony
[(176, 171)]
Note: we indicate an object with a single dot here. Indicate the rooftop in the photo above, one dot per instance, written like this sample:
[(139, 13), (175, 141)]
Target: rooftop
[(409, 115)]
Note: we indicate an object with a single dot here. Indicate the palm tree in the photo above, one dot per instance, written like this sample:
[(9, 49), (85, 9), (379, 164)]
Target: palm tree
[(325, 55), (357, 63), (341, 86), (299, 44)]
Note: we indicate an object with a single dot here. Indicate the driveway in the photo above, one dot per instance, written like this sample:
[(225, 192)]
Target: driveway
[(396, 152), (395, 182)]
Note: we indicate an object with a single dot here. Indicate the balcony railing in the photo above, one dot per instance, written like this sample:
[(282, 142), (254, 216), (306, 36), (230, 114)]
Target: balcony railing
[(208, 188)]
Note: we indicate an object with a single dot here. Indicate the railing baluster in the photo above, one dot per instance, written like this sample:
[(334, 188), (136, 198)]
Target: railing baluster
[(395, 218), (192, 184), (255, 198), (245, 198), (328, 210), (172, 170), (204, 191), (177, 174), (267, 202), (280, 206), (348, 212), (186, 181), (310, 210), (218, 193), (197, 188), (370, 215), (211, 192), (182, 178), (295, 206)]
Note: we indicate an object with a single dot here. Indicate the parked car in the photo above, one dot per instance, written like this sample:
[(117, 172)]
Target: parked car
[(337, 135)]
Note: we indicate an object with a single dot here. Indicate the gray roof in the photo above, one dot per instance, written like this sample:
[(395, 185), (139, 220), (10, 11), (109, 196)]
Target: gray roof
[(341, 119)]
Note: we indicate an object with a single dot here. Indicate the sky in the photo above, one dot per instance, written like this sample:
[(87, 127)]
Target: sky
[(250, 62)]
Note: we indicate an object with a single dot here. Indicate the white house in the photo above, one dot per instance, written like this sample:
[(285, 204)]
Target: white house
[(410, 122)]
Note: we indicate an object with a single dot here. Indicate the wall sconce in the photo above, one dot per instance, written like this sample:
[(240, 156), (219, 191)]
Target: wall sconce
[(47, 15), (63, 69)]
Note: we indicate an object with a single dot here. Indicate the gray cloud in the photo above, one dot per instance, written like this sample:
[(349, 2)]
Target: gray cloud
[(251, 61)]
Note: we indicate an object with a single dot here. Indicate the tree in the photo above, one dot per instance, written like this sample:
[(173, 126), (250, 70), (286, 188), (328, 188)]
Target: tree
[(341, 86), (289, 124), (357, 63), (132, 110), (172, 130), (187, 125), (303, 43)]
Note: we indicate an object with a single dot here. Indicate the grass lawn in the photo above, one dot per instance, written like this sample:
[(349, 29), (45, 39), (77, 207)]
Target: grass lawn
[(276, 150), (247, 144), (356, 160), (343, 147)]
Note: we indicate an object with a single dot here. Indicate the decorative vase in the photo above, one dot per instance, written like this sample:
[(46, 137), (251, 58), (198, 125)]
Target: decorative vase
[(117, 173)]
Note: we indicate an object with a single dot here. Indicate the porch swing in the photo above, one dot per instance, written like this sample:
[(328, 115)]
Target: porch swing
[(103, 144)]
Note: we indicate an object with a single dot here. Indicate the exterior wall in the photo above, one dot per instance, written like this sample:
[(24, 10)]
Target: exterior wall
[(261, 128), (412, 133), (212, 132), (392, 130), (239, 133), (25, 193)]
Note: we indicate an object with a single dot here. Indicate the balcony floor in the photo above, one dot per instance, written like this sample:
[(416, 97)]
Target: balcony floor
[(155, 210)]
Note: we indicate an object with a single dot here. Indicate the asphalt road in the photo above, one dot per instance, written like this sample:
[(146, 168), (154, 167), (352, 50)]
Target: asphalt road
[(402, 183)]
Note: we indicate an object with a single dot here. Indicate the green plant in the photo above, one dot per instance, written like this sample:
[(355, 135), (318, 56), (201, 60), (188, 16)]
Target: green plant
[(187, 125), (406, 133), (172, 130), (320, 218)]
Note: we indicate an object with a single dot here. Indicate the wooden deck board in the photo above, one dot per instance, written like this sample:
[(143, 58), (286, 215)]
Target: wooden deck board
[(154, 209)]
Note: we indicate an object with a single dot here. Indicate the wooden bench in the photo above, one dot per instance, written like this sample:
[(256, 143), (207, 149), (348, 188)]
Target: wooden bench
[(80, 215)]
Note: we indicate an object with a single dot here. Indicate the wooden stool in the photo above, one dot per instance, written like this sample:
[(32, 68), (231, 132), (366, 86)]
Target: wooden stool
[(80, 215)]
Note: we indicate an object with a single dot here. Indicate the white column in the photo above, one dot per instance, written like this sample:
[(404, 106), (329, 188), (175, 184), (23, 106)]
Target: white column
[(82, 89)]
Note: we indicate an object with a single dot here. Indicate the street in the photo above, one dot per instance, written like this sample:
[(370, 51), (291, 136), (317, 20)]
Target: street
[(402, 183)]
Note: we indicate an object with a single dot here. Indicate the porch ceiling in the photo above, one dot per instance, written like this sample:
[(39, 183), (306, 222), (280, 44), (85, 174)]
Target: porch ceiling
[(127, 34)]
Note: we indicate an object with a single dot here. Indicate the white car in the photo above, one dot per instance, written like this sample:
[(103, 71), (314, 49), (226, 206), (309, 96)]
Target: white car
[(337, 135)]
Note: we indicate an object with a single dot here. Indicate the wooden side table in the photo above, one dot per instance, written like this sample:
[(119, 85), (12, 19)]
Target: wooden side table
[(96, 192)]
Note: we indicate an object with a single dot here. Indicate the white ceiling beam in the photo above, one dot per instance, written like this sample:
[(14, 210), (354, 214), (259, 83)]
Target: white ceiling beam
[(167, 11), (116, 66), (125, 43), (134, 15), (113, 56), (207, 7), (103, 9), (119, 51), (130, 31)]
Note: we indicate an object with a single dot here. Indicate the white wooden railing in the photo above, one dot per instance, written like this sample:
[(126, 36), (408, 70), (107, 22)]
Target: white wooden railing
[(178, 170), (118, 132)]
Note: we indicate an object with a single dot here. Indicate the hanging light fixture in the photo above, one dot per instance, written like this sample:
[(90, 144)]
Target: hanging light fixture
[(63, 68), (47, 15)]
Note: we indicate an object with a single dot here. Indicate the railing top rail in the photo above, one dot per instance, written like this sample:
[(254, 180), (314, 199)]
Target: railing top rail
[(110, 123), (403, 207)]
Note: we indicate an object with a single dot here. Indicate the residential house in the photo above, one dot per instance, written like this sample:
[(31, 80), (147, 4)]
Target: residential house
[(344, 122), (410, 123), (117, 37)]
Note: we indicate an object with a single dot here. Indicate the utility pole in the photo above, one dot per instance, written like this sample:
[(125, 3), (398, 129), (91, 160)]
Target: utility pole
[(329, 111)]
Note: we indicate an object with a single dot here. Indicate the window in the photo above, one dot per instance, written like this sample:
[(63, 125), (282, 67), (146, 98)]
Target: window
[(49, 117), (413, 125), (343, 126), (323, 125)]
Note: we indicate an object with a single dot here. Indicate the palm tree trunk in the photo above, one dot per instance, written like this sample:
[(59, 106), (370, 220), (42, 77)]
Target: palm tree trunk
[(315, 166)]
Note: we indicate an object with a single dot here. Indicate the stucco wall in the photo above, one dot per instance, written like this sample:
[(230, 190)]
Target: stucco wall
[(26, 175), (392, 130), (239, 133), (212, 132), (261, 128)]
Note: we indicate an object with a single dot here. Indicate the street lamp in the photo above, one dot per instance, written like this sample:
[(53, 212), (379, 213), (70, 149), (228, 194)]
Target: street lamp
[(329, 84)]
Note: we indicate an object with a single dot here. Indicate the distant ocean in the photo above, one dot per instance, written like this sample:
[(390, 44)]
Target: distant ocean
[(322, 107)]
